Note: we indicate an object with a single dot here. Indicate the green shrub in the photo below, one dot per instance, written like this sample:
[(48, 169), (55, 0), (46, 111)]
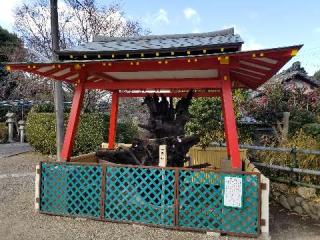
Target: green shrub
[(41, 133), (3, 132), (313, 129), (299, 140), (92, 131), (43, 108)]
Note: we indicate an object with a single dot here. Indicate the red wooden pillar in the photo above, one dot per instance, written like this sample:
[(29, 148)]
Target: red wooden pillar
[(113, 119), (73, 122), (230, 127)]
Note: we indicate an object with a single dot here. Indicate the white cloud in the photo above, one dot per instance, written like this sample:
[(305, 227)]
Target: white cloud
[(191, 14), (7, 16), (153, 20), (162, 16), (250, 42)]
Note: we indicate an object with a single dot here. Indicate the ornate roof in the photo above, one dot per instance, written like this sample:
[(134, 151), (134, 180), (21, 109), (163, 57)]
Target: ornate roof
[(295, 72), (155, 45)]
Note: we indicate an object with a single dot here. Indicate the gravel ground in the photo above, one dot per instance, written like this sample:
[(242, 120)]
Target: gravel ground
[(19, 221)]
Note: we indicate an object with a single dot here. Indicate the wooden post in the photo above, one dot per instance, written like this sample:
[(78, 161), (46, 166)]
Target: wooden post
[(113, 119), (58, 91), (162, 155), (230, 122), (285, 128), (73, 122)]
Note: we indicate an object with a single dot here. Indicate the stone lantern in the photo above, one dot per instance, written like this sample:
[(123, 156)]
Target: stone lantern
[(11, 118), (22, 127)]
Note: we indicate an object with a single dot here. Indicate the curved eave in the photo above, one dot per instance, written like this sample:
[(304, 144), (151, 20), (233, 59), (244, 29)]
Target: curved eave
[(249, 69)]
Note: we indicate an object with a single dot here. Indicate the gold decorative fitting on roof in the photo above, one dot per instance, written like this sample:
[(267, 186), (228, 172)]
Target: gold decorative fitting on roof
[(172, 53), (142, 54), (222, 49), (112, 55), (127, 55), (71, 56), (99, 56), (204, 51), (157, 54), (84, 56), (294, 52), (188, 52), (77, 66), (224, 60)]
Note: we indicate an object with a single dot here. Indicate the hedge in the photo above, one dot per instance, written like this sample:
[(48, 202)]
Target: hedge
[(3, 132), (92, 131)]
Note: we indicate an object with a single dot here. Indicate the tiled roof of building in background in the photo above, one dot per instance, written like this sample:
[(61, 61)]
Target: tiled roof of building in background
[(295, 72)]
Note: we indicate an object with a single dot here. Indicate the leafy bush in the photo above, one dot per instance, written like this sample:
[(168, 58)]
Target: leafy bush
[(3, 132), (313, 129), (92, 131), (299, 140), (43, 108), (41, 133), (206, 120)]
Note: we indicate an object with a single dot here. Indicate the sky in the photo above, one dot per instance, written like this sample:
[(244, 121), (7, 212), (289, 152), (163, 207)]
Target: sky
[(261, 24)]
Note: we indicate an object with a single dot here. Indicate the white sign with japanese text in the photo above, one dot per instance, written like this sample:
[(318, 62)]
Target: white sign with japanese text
[(232, 192)]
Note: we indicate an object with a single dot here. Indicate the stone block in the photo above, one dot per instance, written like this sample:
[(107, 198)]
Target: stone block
[(283, 201), (306, 207), (298, 200), (280, 186), (298, 210), (291, 201), (306, 192)]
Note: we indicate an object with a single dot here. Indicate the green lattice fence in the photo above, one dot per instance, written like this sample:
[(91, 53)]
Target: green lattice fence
[(70, 189), (201, 203), (143, 195), (169, 197)]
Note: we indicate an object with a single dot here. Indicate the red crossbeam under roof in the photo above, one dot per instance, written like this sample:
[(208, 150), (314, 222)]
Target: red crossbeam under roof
[(248, 69)]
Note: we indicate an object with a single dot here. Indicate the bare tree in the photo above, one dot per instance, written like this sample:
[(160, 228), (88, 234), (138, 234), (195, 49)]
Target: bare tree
[(79, 22)]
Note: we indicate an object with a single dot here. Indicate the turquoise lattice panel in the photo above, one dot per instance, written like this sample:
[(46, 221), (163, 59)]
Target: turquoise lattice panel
[(201, 203), (142, 195), (70, 189), (200, 198), (244, 220)]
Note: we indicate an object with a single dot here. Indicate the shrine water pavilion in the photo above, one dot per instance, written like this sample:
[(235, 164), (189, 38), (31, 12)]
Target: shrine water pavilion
[(212, 65)]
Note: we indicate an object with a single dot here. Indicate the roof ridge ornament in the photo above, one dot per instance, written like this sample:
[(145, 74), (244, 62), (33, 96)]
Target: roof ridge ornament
[(223, 32)]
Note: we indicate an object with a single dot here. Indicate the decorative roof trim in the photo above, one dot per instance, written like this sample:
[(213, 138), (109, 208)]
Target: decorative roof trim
[(224, 32)]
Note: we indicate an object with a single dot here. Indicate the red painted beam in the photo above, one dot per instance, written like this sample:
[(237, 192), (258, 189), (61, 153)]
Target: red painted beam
[(192, 63), (113, 119), (172, 94), (230, 123), (187, 83), (73, 122)]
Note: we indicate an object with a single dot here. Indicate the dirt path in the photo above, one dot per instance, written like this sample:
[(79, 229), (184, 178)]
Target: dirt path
[(19, 221)]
